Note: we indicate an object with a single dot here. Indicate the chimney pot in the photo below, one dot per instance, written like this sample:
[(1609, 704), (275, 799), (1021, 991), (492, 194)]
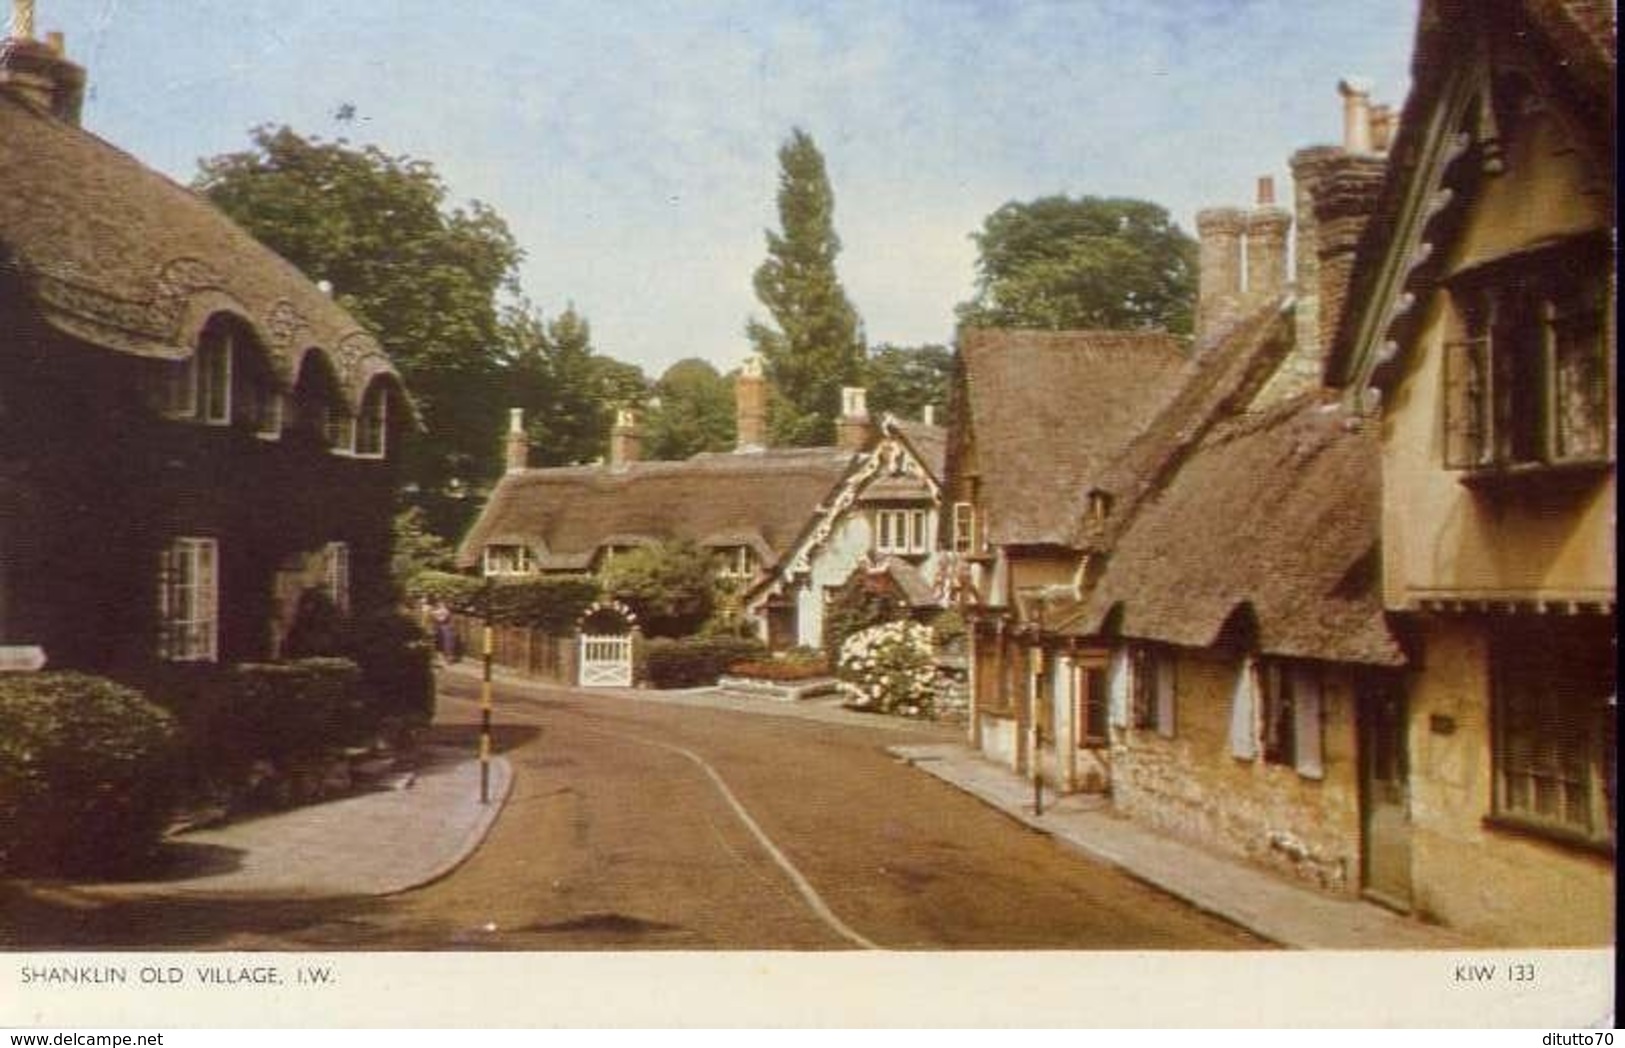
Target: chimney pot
[(22, 19), (852, 429), (57, 43), (1266, 190), (517, 452), (625, 442), (1356, 93)]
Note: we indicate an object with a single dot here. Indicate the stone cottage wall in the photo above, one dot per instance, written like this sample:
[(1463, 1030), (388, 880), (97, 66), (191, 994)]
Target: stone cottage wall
[(1190, 786)]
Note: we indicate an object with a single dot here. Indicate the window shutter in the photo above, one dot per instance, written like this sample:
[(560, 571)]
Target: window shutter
[(1466, 392), (1243, 716), (1307, 722), (1165, 695), (1117, 688)]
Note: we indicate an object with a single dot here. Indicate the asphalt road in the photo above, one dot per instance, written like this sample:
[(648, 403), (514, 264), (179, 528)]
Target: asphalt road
[(657, 826)]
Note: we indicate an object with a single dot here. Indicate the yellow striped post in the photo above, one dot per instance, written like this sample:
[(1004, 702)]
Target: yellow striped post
[(485, 715)]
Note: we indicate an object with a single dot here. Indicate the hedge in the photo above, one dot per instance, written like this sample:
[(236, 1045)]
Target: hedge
[(696, 661), (86, 773), (551, 603), (234, 717)]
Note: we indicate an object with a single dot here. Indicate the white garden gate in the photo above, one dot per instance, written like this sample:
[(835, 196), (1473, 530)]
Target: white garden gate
[(605, 659)]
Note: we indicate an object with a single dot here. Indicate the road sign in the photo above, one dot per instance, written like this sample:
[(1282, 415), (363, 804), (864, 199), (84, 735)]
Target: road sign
[(21, 658)]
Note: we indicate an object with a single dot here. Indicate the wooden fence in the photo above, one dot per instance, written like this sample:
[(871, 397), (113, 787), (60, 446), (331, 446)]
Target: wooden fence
[(519, 649)]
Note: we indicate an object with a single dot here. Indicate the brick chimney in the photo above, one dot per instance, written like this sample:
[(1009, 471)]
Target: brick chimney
[(750, 403), (516, 450), (1336, 192), (852, 429), (1218, 289), (39, 73), (1267, 227), (625, 439)]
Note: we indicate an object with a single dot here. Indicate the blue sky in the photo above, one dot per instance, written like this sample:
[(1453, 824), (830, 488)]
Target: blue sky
[(632, 146)]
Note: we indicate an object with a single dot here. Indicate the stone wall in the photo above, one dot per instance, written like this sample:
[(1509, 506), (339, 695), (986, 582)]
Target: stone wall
[(1191, 787)]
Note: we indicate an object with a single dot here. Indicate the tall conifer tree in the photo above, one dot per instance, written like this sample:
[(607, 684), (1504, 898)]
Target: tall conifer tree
[(815, 345)]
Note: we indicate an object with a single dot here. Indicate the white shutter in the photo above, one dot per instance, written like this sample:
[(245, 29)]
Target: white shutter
[(1117, 688), (1243, 706), (1306, 727), (1165, 694)]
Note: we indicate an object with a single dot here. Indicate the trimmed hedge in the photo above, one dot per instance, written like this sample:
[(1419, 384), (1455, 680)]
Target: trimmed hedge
[(696, 661), (289, 710), (86, 773), (234, 717), (551, 603)]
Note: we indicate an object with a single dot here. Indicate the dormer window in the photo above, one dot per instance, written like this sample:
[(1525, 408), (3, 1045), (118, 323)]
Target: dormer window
[(199, 388), (1527, 379), (1097, 509), (508, 560), (738, 562), (901, 531)]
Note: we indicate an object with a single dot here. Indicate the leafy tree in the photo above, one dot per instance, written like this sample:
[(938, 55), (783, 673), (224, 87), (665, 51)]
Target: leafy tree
[(568, 393), (416, 548), (1092, 262), (421, 276), (816, 346), (671, 587), (903, 380), (694, 412)]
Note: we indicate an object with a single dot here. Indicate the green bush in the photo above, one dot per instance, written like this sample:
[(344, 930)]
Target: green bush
[(696, 661), (551, 603), (284, 711), (396, 659), (86, 773), (460, 593)]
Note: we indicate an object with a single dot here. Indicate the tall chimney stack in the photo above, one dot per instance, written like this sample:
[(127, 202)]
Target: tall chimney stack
[(516, 452), (1218, 289), (852, 429), (39, 73), (625, 441), (1267, 227), (750, 403)]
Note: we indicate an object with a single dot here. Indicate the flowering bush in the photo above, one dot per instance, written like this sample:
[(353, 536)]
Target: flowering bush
[(890, 668)]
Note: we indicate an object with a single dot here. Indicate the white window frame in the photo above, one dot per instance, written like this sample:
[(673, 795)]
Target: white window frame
[(737, 562), (501, 560), (964, 524), (212, 367), (371, 434), (336, 574), (901, 532), (189, 601)]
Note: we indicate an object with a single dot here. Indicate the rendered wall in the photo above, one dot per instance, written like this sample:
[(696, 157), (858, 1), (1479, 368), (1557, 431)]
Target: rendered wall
[(1494, 883)]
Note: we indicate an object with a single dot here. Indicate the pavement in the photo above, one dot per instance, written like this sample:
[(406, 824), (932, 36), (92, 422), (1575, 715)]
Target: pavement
[(394, 839), (1267, 905), (405, 835)]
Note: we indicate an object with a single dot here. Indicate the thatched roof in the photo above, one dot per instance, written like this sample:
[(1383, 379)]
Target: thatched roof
[(1273, 518), (1049, 410), (928, 442), (760, 499), (1218, 382), (116, 255)]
